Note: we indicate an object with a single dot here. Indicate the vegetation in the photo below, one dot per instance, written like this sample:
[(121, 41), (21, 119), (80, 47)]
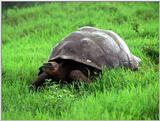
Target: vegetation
[(28, 35)]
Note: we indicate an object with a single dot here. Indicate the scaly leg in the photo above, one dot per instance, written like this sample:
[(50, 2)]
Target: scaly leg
[(79, 75), (39, 81)]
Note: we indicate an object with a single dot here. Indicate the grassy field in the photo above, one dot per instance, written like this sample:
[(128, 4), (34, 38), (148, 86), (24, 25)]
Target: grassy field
[(28, 35)]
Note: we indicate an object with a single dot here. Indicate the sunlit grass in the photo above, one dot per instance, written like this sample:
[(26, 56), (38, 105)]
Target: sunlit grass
[(28, 35)]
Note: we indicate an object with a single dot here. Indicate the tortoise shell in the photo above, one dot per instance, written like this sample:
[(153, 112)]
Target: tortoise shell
[(96, 48)]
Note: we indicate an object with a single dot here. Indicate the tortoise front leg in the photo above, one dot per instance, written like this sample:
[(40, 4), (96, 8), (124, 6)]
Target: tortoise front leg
[(40, 80), (79, 75)]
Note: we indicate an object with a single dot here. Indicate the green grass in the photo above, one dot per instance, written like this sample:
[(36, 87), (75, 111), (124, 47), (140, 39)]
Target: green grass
[(28, 35)]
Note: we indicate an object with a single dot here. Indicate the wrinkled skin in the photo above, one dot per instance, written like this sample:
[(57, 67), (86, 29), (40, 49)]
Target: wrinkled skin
[(65, 71)]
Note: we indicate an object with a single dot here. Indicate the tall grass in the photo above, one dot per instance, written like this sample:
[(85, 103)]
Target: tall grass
[(28, 35)]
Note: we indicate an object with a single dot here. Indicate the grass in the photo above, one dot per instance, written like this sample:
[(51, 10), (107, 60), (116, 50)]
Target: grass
[(28, 35)]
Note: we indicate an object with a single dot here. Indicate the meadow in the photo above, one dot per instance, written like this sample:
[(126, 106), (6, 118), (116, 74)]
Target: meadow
[(28, 35)]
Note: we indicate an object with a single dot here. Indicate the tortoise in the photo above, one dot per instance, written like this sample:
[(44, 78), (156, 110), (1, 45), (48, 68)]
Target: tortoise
[(83, 53)]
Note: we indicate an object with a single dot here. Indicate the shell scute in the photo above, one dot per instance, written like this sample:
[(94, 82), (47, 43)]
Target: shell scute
[(96, 48)]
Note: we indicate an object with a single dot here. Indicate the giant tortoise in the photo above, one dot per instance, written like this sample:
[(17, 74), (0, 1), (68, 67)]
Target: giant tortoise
[(82, 53)]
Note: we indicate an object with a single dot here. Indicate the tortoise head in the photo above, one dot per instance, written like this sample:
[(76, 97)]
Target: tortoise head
[(50, 68)]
